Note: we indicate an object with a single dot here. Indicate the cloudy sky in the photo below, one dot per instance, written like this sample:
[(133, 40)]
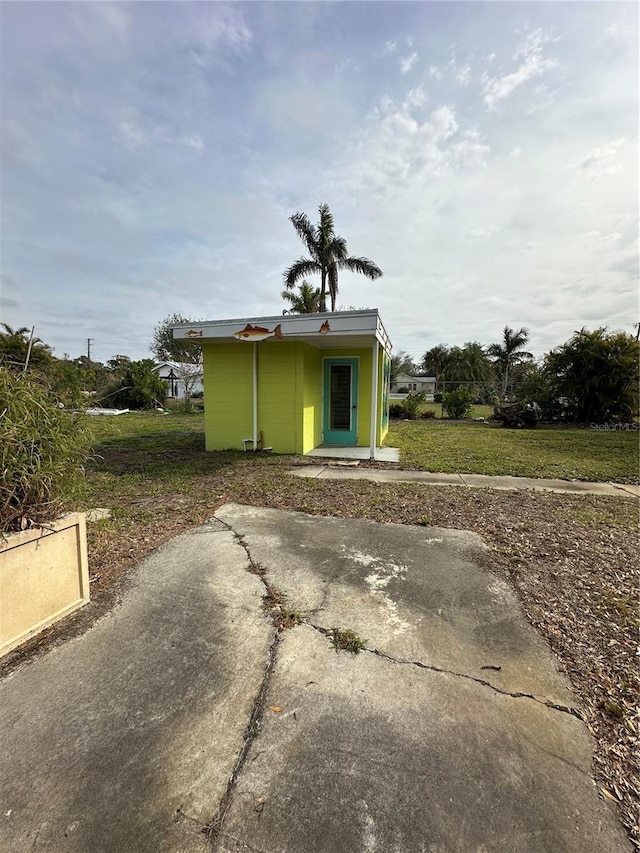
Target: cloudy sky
[(484, 155)]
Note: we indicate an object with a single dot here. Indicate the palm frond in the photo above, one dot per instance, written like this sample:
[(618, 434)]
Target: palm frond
[(299, 269), (325, 230), (338, 248), (360, 265), (305, 230)]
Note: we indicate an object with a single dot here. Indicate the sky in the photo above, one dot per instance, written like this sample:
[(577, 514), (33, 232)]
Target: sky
[(483, 155)]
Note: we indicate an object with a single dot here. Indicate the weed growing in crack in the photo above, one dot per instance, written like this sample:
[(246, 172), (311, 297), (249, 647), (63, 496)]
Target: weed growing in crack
[(257, 569), (285, 618), (273, 599), (346, 641)]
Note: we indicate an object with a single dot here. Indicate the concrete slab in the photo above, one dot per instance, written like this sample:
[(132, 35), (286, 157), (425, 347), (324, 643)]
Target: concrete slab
[(483, 481), (368, 755), (383, 454), (453, 731), (412, 745), (124, 739), (417, 593)]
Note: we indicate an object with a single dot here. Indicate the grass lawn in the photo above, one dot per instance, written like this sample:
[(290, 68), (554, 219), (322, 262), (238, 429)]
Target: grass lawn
[(482, 448), (571, 559), (475, 412)]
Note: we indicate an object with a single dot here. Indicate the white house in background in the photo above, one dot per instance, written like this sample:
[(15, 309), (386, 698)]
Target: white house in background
[(173, 376), (404, 383)]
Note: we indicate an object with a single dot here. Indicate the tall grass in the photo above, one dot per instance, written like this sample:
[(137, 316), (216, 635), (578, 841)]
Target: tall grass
[(42, 453)]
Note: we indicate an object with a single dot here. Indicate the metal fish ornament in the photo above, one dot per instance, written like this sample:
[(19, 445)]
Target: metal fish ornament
[(257, 333)]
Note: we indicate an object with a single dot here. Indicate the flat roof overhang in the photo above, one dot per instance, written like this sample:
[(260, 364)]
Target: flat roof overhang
[(329, 330)]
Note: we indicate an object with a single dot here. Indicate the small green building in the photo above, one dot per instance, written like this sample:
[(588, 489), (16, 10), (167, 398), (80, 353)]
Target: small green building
[(295, 383)]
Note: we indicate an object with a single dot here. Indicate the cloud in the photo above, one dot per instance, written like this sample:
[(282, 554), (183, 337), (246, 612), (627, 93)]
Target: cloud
[(400, 144), (193, 140), (532, 64), (407, 62), (389, 47), (214, 32), (112, 16), (483, 233), (435, 72), (619, 30), (463, 74), (131, 135), (602, 161)]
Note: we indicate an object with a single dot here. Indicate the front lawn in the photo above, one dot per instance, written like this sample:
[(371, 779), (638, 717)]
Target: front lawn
[(466, 447)]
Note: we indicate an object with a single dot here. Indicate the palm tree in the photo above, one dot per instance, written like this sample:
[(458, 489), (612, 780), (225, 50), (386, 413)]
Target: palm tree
[(14, 333), (14, 347), (509, 352), (328, 253), (305, 301), (434, 361), (476, 362)]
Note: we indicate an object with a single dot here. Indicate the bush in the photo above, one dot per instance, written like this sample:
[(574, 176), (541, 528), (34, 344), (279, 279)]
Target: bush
[(42, 452), (141, 387), (184, 407), (396, 411), (428, 414), (437, 397), (457, 404), (411, 404)]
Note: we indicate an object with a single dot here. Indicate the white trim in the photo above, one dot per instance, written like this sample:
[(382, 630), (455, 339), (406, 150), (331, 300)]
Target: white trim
[(343, 326), (374, 400), (255, 395)]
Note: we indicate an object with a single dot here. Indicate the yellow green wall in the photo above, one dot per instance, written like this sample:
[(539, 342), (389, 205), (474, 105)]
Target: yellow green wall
[(227, 378), (312, 398), (290, 405)]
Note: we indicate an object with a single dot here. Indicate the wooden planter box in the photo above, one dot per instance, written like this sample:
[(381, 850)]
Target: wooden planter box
[(44, 576)]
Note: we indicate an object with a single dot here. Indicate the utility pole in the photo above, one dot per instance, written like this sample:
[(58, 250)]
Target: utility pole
[(87, 366)]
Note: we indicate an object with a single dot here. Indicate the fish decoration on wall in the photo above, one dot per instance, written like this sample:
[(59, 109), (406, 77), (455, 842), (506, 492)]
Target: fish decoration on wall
[(192, 333), (325, 327), (257, 333)]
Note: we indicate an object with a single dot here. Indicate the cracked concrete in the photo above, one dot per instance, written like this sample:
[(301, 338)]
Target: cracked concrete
[(123, 739), (412, 745), (186, 721), (368, 756), (416, 593)]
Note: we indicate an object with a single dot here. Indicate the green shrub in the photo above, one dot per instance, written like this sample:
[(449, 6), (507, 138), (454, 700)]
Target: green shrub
[(396, 411), (411, 404), (457, 404), (42, 452), (141, 387)]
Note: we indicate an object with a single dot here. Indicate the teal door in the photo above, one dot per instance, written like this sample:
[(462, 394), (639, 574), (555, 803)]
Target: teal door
[(340, 401)]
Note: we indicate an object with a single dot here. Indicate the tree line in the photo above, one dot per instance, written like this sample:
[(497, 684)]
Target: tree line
[(591, 378), (120, 382)]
